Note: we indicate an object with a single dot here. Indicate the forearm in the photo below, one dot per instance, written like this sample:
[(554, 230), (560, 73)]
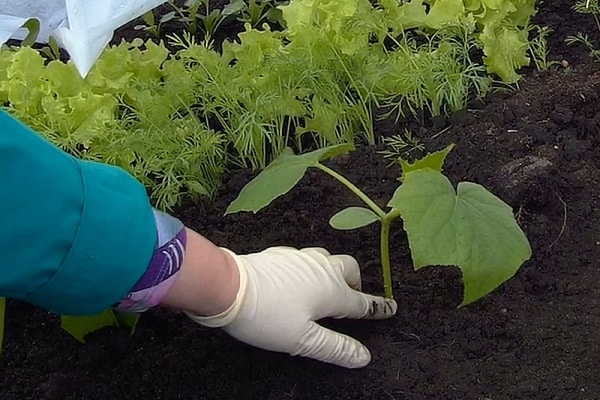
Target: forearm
[(208, 280)]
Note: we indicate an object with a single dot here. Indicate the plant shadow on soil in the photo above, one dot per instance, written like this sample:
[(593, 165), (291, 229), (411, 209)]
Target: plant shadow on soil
[(533, 338)]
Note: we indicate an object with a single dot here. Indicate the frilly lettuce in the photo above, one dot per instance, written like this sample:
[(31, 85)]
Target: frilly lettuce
[(501, 26)]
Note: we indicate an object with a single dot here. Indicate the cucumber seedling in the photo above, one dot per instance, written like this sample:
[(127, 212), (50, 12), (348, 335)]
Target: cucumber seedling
[(469, 227)]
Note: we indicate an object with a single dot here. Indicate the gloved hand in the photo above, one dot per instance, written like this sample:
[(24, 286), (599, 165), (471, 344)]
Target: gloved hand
[(283, 291)]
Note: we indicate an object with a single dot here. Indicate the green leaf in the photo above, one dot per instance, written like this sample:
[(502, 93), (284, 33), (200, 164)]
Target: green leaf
[(234, 7), (81, 326), (443, 12), (353, 218), (473, 230), (2, 318), (412, 14), (197, 188), (280, 177), (434, 161), (505, 50), (33, 26), (127, 320), (168, 17), (525, 9), (148, 18)]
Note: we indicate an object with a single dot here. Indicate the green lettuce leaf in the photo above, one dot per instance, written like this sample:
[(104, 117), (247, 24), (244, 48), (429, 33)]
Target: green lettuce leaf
[(505, 51)]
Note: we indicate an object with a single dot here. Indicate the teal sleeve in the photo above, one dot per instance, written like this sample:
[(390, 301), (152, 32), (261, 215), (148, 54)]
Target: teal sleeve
[(75, 236)]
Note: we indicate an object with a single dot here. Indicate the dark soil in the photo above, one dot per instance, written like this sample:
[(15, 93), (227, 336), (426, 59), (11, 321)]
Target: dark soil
[(534, 338)]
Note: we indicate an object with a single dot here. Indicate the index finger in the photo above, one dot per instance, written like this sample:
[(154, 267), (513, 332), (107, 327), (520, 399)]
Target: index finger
[(365, 306)]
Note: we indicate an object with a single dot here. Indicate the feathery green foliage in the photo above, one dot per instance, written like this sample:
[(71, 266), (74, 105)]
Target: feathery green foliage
[(588, 7), (177, 120)]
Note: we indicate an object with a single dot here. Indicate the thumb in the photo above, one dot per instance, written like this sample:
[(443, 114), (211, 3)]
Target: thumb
[(325, 345)]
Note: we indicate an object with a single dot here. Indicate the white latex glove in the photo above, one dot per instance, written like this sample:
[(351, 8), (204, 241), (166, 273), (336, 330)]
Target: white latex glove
[(283, 291)]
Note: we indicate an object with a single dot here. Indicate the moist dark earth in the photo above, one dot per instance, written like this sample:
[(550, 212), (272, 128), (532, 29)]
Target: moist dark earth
[(533, 338)]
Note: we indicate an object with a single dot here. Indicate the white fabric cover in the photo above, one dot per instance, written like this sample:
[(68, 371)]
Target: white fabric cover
[(82, 27)]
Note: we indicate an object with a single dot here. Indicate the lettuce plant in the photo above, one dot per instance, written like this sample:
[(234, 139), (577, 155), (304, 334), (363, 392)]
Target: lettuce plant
[(132, 110), (176, 120), (467, 227), (500, 26)]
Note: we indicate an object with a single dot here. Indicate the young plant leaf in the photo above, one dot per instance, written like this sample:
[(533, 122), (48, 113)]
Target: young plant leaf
[(472, 229), (33, 26), (280, 177), (127, 320), (81, 326), (434, 161), (2, 318), (353, 218)]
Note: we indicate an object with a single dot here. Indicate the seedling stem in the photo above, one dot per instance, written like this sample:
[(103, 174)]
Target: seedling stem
[(376, 209), (384, 218)]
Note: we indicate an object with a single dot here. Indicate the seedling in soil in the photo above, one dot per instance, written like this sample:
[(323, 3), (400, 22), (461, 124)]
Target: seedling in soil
[(469, 227), (586, 7)]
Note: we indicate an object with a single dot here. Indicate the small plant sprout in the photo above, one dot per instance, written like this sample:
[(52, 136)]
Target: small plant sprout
[(400, 146), (586, 7), (538, 47), (153, 26), (468, 227)]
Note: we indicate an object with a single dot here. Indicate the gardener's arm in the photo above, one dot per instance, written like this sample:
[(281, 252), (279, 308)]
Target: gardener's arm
[(78, 237)]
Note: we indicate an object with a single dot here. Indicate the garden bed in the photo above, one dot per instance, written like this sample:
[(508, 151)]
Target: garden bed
[(533, 338)]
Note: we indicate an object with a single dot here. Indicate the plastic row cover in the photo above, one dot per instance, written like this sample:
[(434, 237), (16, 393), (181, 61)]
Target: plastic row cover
[(82, 27)]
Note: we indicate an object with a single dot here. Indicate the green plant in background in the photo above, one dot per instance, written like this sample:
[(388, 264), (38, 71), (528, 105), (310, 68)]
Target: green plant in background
[(33, 26), (590, 7), (435, 73), (177, 120), (500, 26), (584, 39), (400, 146), (33, 29), (152, 25), (52, 49), (295, 95), (131, 111), (208, 20), (255, 12), (189, 14), (468, 227), (538, 47)]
